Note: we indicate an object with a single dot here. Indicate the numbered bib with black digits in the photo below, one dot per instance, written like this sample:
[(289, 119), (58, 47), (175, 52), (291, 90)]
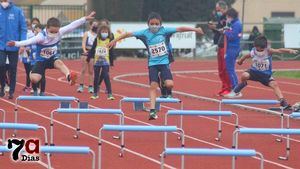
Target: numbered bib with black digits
[(101, 51), (261, 65), (48, 52), (159, 49)]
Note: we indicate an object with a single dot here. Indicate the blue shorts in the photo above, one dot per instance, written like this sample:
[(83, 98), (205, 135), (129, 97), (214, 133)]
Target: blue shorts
[(260, 77), (159, 70)]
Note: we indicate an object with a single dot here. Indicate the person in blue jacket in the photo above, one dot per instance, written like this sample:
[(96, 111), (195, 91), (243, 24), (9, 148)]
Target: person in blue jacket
[(233, 33), (13, 27)]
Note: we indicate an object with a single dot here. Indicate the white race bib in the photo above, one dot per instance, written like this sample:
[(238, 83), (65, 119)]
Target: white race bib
[(159, 49), (101, 51), (48, 52), (261, 65)]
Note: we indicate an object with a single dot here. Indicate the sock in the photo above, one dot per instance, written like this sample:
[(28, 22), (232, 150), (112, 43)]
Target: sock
[(68, 77), (152, 110), (239, 87)]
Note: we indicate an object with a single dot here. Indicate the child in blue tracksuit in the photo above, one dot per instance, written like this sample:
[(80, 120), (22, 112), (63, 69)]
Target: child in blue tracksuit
[(261, 69), (156, 39), (233, 35)]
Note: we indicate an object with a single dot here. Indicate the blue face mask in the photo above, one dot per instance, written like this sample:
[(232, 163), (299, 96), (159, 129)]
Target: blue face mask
[(218, 14)]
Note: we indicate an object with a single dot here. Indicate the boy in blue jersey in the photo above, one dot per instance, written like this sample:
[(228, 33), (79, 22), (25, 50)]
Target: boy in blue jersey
[(156, 39), (261, 69), (47, 56)]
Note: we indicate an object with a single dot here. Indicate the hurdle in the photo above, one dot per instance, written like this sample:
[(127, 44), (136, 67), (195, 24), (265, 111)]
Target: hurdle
[(267, 131), (294, 115), (255, 101), (62, 99), (83, 111), (136, 128), (22, 126), (211, 152), (68, 150), (182, 113), (138, 103)]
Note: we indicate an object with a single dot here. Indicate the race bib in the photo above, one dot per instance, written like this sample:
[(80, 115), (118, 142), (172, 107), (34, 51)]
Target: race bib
[(48, 52), (261, 65), (157, 50), (102, 51)]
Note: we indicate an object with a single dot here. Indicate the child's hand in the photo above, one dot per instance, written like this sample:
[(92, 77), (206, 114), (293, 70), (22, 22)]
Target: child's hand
[(111, 44), (239, 62), (11, 43), (293, 51), (199, 31), (91, 16)]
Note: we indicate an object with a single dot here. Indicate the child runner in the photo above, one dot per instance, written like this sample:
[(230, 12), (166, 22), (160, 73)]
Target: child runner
[(103, 59), (26, 60), (261, 69), (42, 84), (156, 38), (87, 43), (47, 41), (164, 91)]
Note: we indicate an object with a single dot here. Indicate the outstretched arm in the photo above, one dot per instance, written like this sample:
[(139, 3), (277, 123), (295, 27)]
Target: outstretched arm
[(123, 36), (283, 50), (189, 29), (33, 40), (75, 24), (243, 58)]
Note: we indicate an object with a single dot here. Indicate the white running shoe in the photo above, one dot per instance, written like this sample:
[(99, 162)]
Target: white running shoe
[(233, 95)]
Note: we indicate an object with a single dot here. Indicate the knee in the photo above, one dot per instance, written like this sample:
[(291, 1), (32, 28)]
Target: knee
[(35, 78), (153, 85), (169, 84), (273, 84), (59, 63), (245, 77)]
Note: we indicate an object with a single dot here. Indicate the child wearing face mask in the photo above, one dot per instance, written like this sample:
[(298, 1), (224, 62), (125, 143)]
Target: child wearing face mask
[(261, 69), (47, 56), (103, 59), (156, 38), (87, 43)]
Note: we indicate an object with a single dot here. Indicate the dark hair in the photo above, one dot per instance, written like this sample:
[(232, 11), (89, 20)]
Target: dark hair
[(222, 4), (53, 22), (154, 15), (35, 19), (232, 13), (261, 42), (255, 29), (101, 27), (38, 26)]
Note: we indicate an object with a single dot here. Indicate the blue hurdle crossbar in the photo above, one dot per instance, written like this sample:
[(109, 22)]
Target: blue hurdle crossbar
[(40, 98), (294, 115), (138, 103), (267, 131), (68, 150), (136, 128), (4, 149), (258, 102), (210, 152), (21, 126), (83, 111), (182, 113)]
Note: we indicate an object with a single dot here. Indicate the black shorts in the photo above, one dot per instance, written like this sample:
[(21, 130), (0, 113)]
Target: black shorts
[(40, 66), (164, 70), (260, 77)]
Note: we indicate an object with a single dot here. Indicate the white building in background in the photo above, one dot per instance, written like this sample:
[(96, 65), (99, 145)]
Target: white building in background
[(63, 2), (256, 10)]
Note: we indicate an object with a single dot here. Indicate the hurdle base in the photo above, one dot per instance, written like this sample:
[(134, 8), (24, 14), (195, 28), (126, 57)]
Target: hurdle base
[(285, 158), (121, 155), (217, 139), (116, 137)]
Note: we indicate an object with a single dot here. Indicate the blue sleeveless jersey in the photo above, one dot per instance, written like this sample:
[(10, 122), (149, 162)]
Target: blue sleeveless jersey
[(45, 52)]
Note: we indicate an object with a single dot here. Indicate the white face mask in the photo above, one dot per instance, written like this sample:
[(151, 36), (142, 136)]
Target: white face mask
[(154, 28), (260, 54), (4, 4), (33, 26), (229, 20), (52, 35), (104, 35)]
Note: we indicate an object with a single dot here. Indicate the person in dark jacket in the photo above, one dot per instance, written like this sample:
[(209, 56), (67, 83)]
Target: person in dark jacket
[(254, 34), (12, 28)]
